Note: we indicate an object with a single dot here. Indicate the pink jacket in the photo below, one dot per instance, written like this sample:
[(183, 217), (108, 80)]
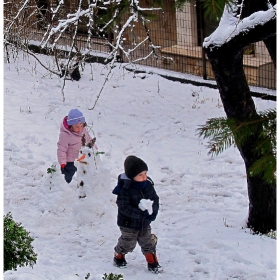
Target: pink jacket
[(69, 143)]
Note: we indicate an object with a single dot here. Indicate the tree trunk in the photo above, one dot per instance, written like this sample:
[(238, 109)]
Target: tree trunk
[(270, 44), (227, 65)]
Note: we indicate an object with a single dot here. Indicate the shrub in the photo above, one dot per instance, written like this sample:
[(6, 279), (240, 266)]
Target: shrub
[(51, 169), (18, 250), (112, 276)]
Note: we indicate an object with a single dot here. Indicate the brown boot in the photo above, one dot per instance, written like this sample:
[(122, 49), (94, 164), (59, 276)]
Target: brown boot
[(119, 260), (153, 264)]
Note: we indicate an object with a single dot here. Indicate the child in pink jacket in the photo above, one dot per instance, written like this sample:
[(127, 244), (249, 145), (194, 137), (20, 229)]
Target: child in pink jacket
[(69, 143)]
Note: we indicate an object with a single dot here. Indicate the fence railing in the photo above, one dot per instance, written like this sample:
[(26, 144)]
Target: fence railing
[(178, 37)]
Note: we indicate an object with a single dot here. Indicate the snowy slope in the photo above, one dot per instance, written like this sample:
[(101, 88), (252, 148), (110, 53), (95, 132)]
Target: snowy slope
[(203, 200)]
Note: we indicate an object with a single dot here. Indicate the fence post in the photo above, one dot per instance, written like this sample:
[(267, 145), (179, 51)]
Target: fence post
[(204, 74)]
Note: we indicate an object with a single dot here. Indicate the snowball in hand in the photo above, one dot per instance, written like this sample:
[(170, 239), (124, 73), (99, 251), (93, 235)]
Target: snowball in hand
[(146, 204)]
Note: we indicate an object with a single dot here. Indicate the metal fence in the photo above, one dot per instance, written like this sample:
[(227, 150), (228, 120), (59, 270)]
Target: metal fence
[(177, 36), (180, 35)]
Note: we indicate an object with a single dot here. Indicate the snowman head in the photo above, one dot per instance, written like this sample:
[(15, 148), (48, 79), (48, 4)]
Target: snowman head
[(86, 151)]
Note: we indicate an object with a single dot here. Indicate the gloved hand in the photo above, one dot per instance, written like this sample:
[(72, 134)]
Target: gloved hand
[(151, 218), (145, 214), (62, 168), (68, 170)]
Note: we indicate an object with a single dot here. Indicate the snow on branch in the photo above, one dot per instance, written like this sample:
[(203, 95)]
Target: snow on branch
[(19, 12), (63, 22), (231, 26), (119, 22)]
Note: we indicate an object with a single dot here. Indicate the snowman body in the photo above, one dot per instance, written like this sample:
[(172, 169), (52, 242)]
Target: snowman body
[(88, 165), (93, 187)]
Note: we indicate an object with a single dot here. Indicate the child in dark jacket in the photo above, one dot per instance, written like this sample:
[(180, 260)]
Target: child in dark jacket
[(135, 193)]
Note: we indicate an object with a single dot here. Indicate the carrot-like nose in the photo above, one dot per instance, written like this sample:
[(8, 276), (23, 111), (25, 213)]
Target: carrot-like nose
[(81, 157)]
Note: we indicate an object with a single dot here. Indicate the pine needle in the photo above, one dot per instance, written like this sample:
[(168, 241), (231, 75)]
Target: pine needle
[(223, 133)]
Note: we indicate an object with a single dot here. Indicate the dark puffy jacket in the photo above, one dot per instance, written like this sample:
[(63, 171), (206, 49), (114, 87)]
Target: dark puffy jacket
[(129, 214)]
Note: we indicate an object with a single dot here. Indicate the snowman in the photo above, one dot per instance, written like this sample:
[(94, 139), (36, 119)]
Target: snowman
[(93, 187), (88, 165)]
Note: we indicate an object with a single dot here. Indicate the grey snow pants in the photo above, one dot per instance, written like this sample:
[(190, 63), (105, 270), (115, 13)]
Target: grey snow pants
[(129, 238)]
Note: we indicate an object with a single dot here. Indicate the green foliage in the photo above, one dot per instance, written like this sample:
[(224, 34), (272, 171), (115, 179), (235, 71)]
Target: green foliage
[(272, 234), (18, 250), (112, 276), (224, 133), (179, 4), (113, 14), (51, 169), (213, 9), (99, 153)]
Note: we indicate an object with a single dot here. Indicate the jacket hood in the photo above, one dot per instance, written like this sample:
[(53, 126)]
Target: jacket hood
[(124, 177), (64, 127), (126, 181)]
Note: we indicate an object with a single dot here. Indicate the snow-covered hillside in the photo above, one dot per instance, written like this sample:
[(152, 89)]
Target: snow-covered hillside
[(203, 200)]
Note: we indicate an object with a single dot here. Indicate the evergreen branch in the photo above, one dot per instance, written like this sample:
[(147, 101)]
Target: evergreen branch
[(269, 172), (213, 8), (260, 129), (220, 134)]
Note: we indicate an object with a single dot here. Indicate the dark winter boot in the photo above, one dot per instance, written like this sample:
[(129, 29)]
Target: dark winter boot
[(119, 260), (153, 264)]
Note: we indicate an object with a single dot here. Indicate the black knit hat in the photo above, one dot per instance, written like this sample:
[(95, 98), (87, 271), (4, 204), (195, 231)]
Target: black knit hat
[(133, 166)]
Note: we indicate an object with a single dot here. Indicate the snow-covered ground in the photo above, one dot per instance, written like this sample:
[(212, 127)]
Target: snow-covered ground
[(203, 200)]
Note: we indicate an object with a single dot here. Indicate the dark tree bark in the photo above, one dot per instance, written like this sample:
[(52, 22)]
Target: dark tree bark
[(227, 65), (270, 44)]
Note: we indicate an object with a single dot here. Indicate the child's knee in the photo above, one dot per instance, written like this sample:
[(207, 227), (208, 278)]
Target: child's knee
[(128, 240)]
